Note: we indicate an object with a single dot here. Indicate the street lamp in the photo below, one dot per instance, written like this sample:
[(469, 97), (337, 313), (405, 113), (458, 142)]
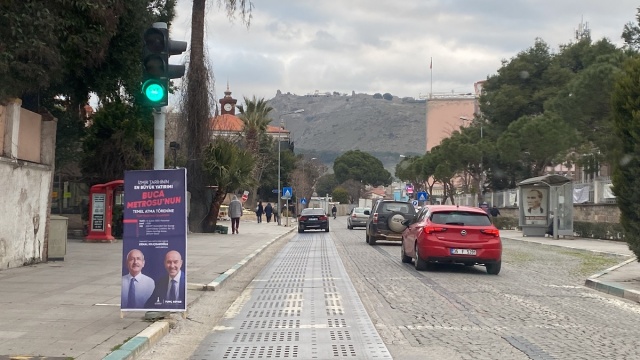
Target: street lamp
[(481, 182), (279, 161)]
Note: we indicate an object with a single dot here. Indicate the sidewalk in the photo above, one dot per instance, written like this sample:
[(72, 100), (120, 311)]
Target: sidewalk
[(71, 308), (622, 280)]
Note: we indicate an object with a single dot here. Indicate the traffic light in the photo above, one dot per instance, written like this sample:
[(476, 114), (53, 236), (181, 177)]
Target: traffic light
[(157, 71)]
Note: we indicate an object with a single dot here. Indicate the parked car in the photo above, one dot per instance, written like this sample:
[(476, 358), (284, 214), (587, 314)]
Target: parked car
[(452, 234), (357, 217), (313, 218), (385, 221)]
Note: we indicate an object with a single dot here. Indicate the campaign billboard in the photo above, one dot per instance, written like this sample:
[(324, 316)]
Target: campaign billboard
[(154, 247)]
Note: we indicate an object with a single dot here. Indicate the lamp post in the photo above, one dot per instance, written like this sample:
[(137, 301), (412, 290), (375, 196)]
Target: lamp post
[(481, 181), (279, 162)]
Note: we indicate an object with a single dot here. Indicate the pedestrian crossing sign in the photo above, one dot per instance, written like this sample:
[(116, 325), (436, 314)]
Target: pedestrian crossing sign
[(286, 192), (422, 196)]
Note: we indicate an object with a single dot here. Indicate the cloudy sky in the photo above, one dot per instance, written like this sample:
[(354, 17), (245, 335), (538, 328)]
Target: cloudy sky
[(371, 46)]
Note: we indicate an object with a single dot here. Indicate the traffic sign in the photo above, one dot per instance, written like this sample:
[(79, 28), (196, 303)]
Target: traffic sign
[(275, 191), (422, 196), (287, 192), (303, 201), (415, 202)]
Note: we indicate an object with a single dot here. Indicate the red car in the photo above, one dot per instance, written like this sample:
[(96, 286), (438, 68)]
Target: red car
[(452, 234)]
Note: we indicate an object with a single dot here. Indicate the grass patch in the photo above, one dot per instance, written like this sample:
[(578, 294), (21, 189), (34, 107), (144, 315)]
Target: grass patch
[(592, 263), (515, 256)]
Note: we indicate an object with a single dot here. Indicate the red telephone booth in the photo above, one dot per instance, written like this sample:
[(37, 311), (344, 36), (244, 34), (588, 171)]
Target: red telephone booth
[(101, 211)]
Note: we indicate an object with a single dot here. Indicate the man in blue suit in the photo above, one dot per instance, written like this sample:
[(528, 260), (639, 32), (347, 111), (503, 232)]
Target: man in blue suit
[(170, 290)]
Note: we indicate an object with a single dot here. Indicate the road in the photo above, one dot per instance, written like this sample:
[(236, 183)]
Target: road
[(537, 308)]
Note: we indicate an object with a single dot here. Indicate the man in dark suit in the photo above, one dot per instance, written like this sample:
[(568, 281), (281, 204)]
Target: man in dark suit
[(170, 290)]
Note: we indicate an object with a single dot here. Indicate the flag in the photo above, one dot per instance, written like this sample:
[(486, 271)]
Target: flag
[(431, 64)]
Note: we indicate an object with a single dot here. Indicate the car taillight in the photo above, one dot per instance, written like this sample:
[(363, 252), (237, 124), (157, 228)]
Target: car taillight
[(375, 218), (323, 217), (353, 215), (302, 218), (494, 232), (434, 229)]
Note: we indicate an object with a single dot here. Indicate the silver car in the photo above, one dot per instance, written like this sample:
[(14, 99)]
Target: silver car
[(357, 218)]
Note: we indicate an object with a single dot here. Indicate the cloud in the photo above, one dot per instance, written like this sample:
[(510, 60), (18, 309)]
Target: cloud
[(383, 46)]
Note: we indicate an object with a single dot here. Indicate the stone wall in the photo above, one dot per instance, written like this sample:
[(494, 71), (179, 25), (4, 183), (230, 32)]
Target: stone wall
[(599, 213)]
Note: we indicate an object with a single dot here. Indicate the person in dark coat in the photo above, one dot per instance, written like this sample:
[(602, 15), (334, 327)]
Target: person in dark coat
[(259, 211), (268, 211)]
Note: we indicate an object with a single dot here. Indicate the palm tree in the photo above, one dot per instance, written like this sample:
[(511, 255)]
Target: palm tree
[(197, 104), (256, 119), (229, 168)]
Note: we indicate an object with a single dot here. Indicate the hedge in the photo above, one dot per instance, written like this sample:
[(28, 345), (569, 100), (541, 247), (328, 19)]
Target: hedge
[(599, 230)]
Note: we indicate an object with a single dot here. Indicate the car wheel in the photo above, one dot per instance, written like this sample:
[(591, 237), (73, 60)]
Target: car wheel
[(349, 227), (405, 259), (366, 237), (394, 222), (300, 230), (494, 269), (326, 229), (372, 240), (419, 263)]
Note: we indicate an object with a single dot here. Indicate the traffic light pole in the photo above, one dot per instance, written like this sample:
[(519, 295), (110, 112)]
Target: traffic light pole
[(159, 121)]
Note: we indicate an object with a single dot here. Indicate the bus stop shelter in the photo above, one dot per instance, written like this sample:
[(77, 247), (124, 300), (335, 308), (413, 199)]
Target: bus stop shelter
[(543, 199)]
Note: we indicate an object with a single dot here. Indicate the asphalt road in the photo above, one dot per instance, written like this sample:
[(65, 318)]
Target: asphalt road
[(536, 308)]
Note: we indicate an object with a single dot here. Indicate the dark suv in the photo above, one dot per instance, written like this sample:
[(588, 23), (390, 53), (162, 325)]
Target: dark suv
[(385, 220)]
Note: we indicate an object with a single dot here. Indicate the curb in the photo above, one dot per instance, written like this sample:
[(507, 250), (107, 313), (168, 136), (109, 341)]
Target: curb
[(148, 337), (612, 288)]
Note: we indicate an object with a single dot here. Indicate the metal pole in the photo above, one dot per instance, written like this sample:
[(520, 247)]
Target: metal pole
[(159, 120), (279, 189)]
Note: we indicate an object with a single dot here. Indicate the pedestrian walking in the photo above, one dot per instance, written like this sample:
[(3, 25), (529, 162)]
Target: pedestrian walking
[(494, 211), (235, 212), (259, 212), (268, 211)]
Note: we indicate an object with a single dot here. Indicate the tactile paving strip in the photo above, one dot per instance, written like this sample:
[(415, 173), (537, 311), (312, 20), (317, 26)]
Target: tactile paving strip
[(302, 305)]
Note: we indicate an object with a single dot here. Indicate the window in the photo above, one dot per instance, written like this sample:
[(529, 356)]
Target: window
[(460, 218)]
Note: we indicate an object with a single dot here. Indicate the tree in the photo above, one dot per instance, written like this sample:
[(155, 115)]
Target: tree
[(228, 167), (325, 184), (631, 34), (626, 176), (340, 195), (120, 138), (197, 104), (255, 119), (361, 166), (354, 189)]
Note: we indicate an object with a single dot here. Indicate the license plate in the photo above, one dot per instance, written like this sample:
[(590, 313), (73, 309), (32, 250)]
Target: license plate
[(313, 219), (463, 252)]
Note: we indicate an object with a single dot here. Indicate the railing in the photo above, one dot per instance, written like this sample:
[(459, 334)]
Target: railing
[(597, 191)]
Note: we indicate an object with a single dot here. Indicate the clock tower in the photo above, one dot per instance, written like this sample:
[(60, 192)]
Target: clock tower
[(227, 103)]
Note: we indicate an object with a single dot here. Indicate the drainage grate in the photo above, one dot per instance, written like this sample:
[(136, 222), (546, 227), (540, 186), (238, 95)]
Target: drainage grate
[(302, 305)]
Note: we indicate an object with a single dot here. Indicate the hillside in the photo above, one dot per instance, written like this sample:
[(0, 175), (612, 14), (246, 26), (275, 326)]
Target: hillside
[(333, 124)]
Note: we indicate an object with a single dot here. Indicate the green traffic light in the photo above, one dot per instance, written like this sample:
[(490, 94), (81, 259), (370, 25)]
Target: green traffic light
[(154, 92)]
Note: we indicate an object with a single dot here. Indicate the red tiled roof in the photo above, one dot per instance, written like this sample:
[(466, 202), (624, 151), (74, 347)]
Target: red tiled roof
[(232, 123)]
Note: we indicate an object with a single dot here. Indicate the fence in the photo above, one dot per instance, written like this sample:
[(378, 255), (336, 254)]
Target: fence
[(598, 191)]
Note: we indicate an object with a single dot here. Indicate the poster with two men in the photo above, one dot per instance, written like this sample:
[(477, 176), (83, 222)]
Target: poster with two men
[(154, 247)]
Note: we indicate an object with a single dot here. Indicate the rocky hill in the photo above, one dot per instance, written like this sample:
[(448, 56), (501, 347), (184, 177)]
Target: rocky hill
[(334, 123)]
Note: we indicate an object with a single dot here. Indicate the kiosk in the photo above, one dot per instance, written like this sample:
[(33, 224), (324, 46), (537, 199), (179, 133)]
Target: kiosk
[(543, 199), (101, 211)]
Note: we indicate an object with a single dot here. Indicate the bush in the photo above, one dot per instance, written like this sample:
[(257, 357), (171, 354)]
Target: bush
[(505, 223), (605, 231)]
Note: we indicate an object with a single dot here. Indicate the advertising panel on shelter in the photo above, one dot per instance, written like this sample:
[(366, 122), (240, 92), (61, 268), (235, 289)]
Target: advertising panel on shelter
[(154, 247), (535, 205)]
